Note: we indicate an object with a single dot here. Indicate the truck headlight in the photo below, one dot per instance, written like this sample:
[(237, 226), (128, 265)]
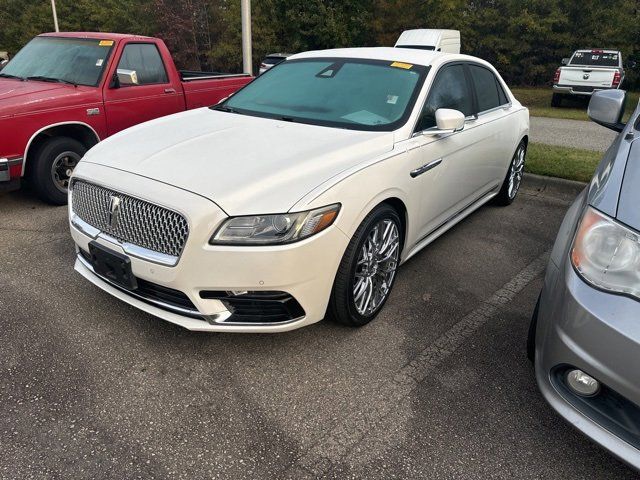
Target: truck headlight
[(607, 254), (274, 229)]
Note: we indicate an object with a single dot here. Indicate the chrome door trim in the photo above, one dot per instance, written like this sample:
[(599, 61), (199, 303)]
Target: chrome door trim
[(425, 168)]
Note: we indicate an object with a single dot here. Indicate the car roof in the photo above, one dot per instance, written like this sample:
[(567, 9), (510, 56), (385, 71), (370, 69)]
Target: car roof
[(392, 54), (96, 35)]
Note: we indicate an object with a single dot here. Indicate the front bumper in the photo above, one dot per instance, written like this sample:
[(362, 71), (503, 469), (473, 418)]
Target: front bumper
[(10, 172), (599, 333), (304, 270)]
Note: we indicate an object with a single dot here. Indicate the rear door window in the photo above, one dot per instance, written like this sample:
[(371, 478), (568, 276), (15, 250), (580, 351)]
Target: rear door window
[(450, 90), (489, 92)]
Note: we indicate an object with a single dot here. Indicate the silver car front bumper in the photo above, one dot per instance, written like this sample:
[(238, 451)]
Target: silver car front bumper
[(599, 333)]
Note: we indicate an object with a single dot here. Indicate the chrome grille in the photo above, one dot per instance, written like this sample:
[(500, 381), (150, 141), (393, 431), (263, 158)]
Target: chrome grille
[(139, 223)]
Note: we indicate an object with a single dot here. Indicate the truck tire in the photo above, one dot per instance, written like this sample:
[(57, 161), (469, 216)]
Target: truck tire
[(51, 167), (556, 100)]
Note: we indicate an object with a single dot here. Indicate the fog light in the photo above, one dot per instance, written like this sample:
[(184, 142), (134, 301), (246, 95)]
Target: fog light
[(582, 384)]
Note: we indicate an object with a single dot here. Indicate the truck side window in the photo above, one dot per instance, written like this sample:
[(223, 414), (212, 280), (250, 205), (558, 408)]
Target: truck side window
[(488, 90), (145, 59), (449, 90)]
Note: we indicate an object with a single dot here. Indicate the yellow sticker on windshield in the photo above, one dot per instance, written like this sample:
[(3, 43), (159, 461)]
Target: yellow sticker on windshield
[(406, 66), (106, 43)]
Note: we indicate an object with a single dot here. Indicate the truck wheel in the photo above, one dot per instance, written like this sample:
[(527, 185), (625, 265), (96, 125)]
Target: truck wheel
[(53, 163), (556, 100)]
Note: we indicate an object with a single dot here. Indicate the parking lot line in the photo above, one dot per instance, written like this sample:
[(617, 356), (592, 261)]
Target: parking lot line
[(344, 436)]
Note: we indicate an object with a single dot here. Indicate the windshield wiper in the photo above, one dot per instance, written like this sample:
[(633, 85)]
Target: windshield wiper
[(224, 108), (8, 75), (50, 79)]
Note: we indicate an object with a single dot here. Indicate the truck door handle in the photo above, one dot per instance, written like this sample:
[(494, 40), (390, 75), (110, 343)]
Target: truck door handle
[(169, 90)]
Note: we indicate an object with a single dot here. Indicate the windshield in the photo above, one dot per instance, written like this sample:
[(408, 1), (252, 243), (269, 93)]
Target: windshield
[(337, 92), (596, 59), (73, 60)]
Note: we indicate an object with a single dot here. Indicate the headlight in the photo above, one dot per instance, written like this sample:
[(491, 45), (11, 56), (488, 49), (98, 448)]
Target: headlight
[(274, 229), (607, 254)]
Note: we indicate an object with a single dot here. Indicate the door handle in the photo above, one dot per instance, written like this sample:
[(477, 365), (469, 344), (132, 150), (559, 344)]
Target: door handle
[(425, 168), (169, 90)]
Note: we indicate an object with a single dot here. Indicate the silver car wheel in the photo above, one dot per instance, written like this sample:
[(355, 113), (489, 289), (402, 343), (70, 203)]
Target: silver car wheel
[(376, 267), (516, 171)]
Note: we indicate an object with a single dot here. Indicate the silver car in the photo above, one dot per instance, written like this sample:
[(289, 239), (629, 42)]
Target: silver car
[(585, 333)]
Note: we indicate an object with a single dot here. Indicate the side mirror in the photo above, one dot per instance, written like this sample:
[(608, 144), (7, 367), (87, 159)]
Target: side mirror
[(126, 77), (606, 108), (447, 121), (565, 61), (3, 63)]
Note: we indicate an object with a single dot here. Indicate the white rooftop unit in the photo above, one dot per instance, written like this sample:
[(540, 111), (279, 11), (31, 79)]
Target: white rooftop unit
[(447, 41)]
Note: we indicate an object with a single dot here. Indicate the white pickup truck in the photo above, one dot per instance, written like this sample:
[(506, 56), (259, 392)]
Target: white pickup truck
[(587, 71)]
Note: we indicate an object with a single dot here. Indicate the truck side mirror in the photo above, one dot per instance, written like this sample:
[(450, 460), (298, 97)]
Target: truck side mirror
[(565, 61), (126, 78), (3, 63), (606, 108)]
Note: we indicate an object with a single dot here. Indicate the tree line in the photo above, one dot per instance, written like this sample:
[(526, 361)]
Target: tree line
[(524, 39)]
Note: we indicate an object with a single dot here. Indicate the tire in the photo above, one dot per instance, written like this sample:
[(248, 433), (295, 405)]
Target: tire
[(531, 337), (48, 181), (508, 191), (556, 100), (359, 277)]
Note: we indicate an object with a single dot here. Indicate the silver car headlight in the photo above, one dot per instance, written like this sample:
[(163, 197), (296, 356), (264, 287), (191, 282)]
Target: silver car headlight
[(274, 229), (607, 254)]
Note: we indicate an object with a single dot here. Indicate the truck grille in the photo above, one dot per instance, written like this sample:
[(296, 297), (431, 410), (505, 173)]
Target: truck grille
[(139, 223)]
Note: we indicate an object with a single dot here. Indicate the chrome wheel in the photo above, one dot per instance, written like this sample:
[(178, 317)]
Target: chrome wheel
[(376, 267), (516, 171), (62, 168)]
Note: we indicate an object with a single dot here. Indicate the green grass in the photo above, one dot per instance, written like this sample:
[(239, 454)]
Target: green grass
[(538, 100), (562, 162)]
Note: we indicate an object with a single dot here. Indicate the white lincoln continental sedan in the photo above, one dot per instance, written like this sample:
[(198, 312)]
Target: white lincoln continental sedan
[(299, 196)]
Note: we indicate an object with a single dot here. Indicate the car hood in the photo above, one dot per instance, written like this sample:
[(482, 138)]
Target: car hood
[(18, 97), (244, 164)]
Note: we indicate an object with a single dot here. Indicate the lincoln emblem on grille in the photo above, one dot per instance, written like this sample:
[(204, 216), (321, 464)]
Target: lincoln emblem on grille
[(114, 211)]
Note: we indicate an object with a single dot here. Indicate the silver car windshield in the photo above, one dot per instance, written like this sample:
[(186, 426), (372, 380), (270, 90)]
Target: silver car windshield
[(337, 92)]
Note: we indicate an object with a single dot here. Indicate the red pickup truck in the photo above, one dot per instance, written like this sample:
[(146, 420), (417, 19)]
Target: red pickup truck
[(64, 92)]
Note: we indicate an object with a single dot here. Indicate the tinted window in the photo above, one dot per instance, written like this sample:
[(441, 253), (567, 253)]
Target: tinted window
[(145, 59), (487, 88), (449, 90), (596, 59), (339, 92)]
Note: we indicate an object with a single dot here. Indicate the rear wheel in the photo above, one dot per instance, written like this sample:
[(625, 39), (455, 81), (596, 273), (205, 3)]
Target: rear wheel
[(556, 100), (52, 166), (368, 269), (513, 180)]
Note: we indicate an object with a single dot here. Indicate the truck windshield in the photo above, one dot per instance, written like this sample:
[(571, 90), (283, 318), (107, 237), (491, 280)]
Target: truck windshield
[(68, 60), (356, 94), (596, 59)]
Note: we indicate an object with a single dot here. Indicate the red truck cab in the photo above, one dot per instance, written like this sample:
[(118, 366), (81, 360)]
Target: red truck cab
[(64, 92)]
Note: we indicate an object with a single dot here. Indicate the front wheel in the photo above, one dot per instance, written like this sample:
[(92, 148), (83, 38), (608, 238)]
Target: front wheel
[(368, 269), (513, 180), (53, 164)]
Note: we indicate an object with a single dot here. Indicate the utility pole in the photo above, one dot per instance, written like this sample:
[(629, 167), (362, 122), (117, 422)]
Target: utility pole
[(247, 64), (55, 15)]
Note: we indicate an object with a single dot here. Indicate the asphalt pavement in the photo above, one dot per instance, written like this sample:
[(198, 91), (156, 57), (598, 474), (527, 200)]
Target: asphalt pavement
[(437, 387), (571, 133)]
